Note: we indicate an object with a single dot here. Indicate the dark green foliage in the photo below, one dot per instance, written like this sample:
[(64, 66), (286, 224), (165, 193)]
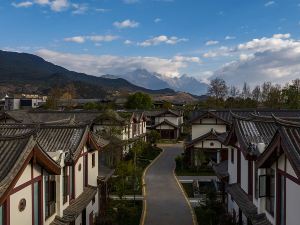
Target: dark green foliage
[(139, 100), (213, 212), (153, 137), (125, 212)]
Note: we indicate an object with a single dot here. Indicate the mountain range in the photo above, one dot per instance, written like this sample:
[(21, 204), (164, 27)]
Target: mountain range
[(156, 81), (28, 73)]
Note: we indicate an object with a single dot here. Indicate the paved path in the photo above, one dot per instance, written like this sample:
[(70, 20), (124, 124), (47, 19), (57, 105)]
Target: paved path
[(165, 202)]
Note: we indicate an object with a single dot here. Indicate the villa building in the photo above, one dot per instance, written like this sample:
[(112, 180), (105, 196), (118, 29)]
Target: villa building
[(167, 122), (261, 174), (52, 177)]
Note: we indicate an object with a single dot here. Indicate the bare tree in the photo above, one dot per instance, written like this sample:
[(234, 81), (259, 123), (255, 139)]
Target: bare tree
[(218, 88), (265, 90), (256, 93), (234, 91), (246, 93)]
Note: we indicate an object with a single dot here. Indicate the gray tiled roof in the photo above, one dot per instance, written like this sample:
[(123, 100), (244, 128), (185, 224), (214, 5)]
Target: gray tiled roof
[(54, 137), (242, 200), (13, 151), (221, 169), (225, 114)]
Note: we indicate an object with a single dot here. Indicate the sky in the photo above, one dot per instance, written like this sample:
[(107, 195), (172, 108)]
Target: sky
[(237, 40)]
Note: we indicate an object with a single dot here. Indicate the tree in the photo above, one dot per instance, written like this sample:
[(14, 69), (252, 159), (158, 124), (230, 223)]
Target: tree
[(256, 93), (53, 98), (291, 95), (234, 91), (153, 137), (218, 89), (274, 97), (139, 100), (246, 93), (265, 90), (167, 105)]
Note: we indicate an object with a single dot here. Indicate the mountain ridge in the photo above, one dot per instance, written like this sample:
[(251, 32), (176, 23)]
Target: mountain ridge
[(27, 72)]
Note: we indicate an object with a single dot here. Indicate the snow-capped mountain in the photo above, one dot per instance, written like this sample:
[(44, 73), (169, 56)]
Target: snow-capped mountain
[(184, 83)]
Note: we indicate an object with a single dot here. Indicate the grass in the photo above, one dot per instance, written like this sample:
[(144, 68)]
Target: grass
[(125, 212), (188, 188)]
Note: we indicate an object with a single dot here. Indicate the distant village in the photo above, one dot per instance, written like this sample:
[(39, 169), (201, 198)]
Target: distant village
[(85, 161)]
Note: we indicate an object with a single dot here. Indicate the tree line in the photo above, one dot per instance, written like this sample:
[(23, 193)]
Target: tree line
[(270, 95)]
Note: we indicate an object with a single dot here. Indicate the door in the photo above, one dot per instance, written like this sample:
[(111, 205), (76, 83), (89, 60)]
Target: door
[(91, 219)]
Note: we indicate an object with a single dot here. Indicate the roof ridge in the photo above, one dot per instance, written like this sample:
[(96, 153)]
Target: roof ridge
[(285, 123)]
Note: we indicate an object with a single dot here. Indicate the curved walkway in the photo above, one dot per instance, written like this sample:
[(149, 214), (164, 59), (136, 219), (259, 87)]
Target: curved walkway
[(165, 202)]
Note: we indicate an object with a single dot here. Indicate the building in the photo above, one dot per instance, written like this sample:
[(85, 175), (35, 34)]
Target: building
[(167, 122), (210, 128), (24, 102), (261, 175), (128, 127), (52, 177)]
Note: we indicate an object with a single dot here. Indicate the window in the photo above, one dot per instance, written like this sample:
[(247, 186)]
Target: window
[(65, 184), (93, 160), (267, 189), (232, 155), (50, 195), (72, 191), (256, 184), (36, 203)]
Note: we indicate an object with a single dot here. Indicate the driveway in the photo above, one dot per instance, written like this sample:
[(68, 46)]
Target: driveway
[(165, 202)]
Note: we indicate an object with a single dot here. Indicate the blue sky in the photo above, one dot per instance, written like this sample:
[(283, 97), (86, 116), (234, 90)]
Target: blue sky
[(203, 38)]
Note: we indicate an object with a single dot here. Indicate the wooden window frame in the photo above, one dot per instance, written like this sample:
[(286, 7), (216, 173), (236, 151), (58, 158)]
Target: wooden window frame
[(93, 160), (65, 184), (50, 203)]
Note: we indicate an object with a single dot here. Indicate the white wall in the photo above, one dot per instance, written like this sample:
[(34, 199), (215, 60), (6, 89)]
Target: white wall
[(244, 173), (24, 217), (92, 171), (201, 129), (78, 177), (232, 167), (292, 203)]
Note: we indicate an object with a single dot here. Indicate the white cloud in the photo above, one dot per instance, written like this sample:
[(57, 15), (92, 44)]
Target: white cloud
[(157, 20), (59, 5), (228, 37), (93, 38), (22, 4), (109, 64), (211, 42), (269, 3), (222, 51), (162, 39), (54, 5), (76, 39), (126, 24), (275, 59), (128, 42), (282, 36), (79, 8)]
